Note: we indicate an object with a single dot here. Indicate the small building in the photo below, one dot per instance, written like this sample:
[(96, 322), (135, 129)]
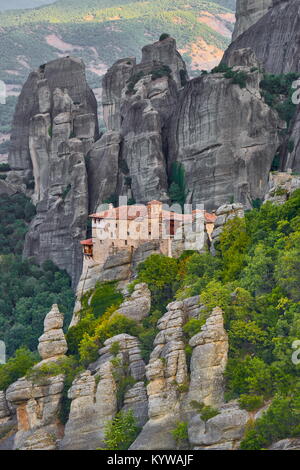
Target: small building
[(128, 227)]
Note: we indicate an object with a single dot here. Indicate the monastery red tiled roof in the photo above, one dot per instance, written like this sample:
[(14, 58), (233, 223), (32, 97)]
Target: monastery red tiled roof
[(88, 242)]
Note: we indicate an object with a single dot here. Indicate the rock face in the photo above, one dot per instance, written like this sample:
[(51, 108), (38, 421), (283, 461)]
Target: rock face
[(52, 344), (137, 306), (38, 401), (248, 12), (37, 406), (168, 377), (161, 123), (208, 362), (138, 101), (225, 152), (274, 38), (94, 394), (222, 432), (281, 186), (54, 127)]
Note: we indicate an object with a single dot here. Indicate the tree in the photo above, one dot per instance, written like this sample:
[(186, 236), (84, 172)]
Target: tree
[(160, 273), (121, 431)]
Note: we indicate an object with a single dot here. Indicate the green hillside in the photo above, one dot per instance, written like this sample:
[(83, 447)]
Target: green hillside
[(103, 31)]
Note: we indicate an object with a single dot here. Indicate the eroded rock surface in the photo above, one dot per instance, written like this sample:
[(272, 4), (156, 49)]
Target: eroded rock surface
[(94, 394), (274, 38), (208, 362), (248, 12), (54, 127), (137, 306)]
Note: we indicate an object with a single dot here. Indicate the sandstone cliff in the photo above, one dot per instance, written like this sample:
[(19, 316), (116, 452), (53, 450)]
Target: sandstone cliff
[(54, 126), (248, 12)]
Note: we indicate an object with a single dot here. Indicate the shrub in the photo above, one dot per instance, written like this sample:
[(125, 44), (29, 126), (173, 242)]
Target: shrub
[(251, 402), (193, 326), (115, 349), (4, 167), (161, 71), (180, 432), (104, 296), (208, 412), (164, 36), (221, 68), (160, 273), (16, 367), (121, 431), (280, 421), (178, 190)]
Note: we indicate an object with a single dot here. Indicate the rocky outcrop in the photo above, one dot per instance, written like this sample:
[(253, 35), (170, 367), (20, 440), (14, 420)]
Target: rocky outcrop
[(54, 127), (137, 306), (52, 344), (281, 187), (4, 410), (168, 378), (138, 100), (248, 12), (94, 394), (208, 362), (286, 444), (274, 38), (38, 408), (226, 152), (37, 398), (222, 432)]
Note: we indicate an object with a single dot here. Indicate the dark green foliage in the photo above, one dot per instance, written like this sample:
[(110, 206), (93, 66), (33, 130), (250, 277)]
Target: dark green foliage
[(178, 190), (183, 77), (221, 68), (66, 192), (4, 167), (282, 420), (277, 91), (160, 71), (164, 36), (104, 296), (276, 163), (27, 294), (15, 213), (121, 432), (159, 272), (133, 81), (16, 367), (193, 326), (180, 432), (251, 402), (290, 146), (27, 291)]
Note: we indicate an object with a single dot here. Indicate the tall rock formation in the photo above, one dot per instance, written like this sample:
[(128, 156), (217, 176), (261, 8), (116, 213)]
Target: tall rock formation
[(138, 100), (37, 398), (94, 394), (248, 12), (274, 38), (225, 136), (208, 362), (54, 127)]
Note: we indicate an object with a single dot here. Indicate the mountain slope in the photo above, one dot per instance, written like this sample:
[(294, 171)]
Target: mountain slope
[(17, 4)]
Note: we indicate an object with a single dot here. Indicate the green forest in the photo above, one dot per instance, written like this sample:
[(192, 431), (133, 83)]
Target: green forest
[(27, 291)]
